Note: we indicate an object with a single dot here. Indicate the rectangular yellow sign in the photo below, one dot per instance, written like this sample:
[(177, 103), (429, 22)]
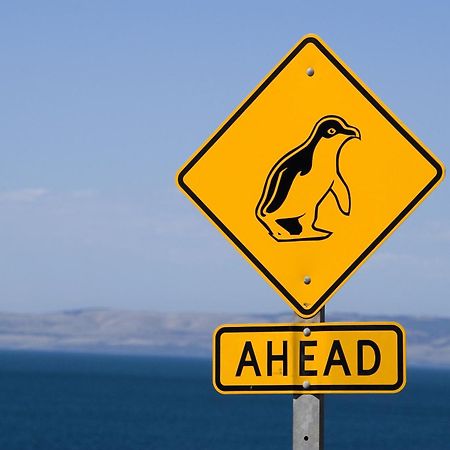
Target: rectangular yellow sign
[(309, 358)]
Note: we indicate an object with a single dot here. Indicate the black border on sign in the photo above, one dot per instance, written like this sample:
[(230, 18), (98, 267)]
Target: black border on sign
[(313, 388), (318, 304)]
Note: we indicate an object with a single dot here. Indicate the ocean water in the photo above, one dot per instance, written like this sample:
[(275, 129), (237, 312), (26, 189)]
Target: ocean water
[(52, 401)]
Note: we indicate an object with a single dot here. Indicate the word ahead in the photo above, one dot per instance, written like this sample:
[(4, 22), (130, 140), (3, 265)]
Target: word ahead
[(309, 358)]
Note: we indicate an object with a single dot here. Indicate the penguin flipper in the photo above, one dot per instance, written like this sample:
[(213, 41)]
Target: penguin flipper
[(341, 193)]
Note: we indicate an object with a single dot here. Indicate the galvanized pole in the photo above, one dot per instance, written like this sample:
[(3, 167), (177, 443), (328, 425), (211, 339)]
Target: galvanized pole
[(308, 411)]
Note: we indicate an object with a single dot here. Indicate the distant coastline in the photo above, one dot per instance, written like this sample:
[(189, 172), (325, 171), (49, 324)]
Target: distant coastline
[(184, 334)]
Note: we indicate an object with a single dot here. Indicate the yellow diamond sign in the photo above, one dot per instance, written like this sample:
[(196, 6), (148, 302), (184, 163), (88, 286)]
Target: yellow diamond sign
[(309, 175)]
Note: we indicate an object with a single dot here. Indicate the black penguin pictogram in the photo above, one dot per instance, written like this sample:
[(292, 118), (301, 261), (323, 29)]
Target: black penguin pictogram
[(300, 181)]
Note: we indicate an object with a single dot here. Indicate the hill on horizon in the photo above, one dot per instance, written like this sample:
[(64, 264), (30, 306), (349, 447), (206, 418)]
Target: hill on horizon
[(185, 334)]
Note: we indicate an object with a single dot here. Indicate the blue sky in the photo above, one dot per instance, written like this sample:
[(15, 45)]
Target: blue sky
[(101, 103)]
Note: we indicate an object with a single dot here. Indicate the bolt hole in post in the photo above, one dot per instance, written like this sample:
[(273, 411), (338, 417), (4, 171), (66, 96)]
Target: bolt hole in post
[(306, 438)]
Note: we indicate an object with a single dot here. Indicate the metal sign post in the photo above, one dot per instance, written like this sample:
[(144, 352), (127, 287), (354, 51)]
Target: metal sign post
[(308, 411)]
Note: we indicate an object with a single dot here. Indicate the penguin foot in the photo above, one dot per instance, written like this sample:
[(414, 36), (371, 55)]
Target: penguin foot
[(314, 234), (290, 229)]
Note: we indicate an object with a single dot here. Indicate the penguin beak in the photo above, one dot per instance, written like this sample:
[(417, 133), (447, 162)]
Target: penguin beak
[(353, 131)]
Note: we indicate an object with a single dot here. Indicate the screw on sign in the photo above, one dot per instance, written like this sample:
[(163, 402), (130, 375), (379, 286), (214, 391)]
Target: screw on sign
[(322, 173)]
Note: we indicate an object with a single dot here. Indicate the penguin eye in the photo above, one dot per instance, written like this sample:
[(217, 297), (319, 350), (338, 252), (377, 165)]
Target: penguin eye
[(331, 131)]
